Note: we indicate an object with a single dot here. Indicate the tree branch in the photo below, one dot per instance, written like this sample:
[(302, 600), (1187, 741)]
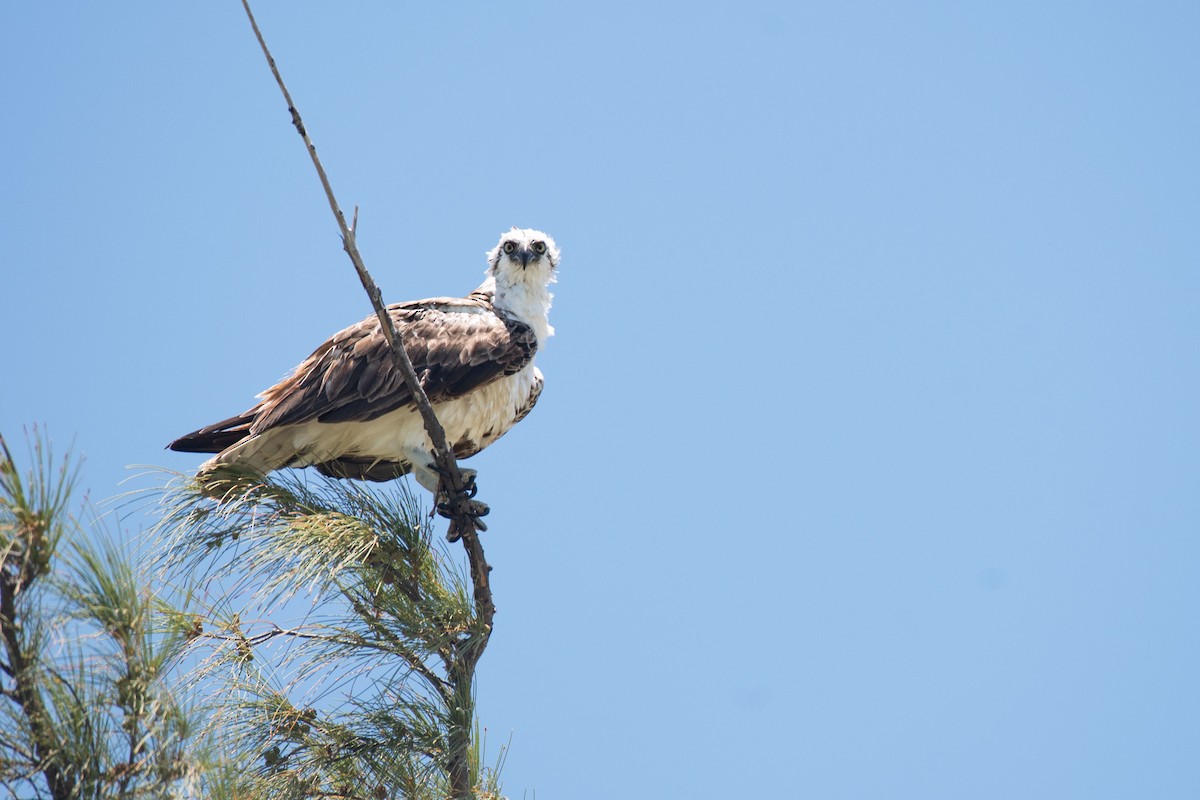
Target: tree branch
[(16, 574), (464, 519), (461, 516)]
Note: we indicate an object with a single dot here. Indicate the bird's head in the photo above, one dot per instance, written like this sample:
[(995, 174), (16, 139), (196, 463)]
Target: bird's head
[(524, 255)]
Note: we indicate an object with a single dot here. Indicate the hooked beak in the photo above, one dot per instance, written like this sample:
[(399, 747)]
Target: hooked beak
[(525, 254)]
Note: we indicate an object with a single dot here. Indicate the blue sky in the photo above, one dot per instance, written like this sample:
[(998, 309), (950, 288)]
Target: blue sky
[(867, 461)]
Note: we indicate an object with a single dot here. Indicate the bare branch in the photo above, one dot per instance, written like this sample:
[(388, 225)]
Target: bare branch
[(461, 516), (461, 509)]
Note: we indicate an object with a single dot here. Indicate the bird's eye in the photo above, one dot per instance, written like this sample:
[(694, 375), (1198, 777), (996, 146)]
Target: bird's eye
[(510, 247), (539, 247)]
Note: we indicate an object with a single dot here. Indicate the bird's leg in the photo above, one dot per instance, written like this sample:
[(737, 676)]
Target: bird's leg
[(426, 473), (444, 502)]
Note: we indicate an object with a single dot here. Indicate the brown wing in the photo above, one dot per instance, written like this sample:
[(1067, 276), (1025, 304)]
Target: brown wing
[(456, 345)]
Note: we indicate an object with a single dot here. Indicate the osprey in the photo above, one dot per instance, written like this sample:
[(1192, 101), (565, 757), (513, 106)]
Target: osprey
[(346, 410)]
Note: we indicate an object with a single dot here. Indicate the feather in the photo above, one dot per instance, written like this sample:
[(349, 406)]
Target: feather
[(473, 356)]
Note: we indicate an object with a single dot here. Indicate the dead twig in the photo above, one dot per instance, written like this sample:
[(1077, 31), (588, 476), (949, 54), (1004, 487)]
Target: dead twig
[(461, 513), (464, 519)]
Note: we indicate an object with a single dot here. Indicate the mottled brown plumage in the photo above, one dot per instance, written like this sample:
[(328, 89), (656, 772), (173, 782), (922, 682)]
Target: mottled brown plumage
[(459, 347), (456, 345)]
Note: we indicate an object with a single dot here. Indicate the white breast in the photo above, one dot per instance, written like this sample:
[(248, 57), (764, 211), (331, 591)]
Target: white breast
[(479, 418), (483, 416)]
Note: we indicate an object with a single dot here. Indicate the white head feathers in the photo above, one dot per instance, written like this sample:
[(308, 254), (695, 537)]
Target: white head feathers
[(520, 268)]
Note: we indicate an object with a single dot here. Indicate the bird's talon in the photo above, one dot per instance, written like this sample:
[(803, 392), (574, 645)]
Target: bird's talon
[(475, 509)]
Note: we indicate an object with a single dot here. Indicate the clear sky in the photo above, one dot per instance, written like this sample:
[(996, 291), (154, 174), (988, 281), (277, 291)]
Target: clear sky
[(868, 459)]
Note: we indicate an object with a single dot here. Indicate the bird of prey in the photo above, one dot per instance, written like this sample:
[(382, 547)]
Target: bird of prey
[(346, 410)]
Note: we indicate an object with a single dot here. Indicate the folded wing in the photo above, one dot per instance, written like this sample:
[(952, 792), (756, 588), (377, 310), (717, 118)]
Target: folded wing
[(456, 345)]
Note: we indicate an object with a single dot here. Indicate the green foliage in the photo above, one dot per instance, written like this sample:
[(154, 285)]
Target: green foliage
[(332, 640), (334, 637), (85, 711)]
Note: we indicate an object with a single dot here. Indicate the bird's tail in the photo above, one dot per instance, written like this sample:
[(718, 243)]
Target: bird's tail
[(216, 437), (237, 446)]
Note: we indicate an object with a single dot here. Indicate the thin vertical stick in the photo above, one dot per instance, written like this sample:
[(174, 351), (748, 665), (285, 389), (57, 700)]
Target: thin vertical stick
[(464, 523)]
